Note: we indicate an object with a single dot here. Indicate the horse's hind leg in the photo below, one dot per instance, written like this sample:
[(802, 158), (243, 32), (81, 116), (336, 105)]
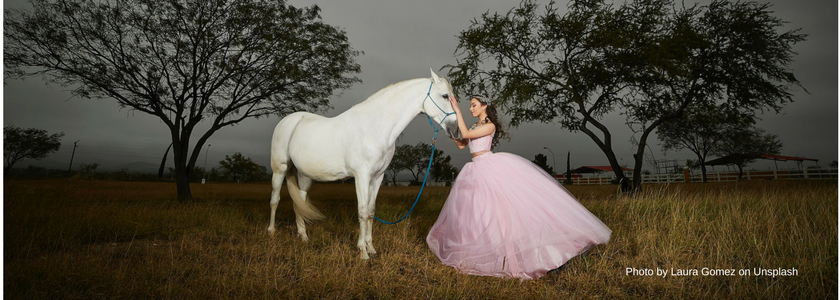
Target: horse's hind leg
[(276, 183), (304, 183)]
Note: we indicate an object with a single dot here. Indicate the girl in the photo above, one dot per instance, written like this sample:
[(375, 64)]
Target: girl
[(505, 216)]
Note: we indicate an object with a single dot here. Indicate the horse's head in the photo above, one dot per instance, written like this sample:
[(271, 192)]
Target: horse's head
[(439, 108)]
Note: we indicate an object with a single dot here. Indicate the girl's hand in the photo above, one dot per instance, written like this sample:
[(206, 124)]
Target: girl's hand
[(454, 103), (461, 143)]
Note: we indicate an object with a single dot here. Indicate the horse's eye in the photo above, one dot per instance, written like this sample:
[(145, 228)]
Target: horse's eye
[(446, 96)]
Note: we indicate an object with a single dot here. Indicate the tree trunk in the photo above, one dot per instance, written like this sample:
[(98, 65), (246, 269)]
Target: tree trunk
[(182, 182), (638, 159), (180, 145), (625, 184), (606, 147), (182, 174)]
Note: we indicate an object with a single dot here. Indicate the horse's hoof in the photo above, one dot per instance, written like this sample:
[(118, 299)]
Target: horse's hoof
[(271, 231), (304, 238), (364, 256)]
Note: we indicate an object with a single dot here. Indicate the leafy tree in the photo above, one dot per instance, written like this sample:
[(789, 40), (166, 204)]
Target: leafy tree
[(20, 143), (541, 160), (700, 130), (442, 168), (648, 60), (399, 162), (214, 174), (122, 174), (186, 62), (196, 174), (87, 171), (239, 168), (744, 146), (415, 159)]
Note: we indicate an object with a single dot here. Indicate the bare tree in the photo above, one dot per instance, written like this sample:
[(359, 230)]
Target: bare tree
[(184, 61)]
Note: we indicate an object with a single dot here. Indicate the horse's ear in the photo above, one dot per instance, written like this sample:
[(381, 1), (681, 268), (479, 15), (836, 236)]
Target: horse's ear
[(434, 76)]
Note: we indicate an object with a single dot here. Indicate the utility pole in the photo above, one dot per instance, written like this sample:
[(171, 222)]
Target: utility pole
[(70, 168)]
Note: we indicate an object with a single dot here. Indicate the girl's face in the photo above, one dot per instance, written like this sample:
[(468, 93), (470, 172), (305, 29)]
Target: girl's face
[(476, 108)]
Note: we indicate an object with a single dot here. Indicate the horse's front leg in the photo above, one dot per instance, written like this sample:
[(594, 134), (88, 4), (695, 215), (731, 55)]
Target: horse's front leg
[(365, 214), (374, 191)]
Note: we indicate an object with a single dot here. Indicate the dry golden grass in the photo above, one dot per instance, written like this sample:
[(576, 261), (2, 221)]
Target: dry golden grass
[(109, 240)]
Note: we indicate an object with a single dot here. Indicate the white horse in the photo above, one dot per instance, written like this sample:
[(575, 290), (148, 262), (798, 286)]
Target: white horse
[(357, 143)]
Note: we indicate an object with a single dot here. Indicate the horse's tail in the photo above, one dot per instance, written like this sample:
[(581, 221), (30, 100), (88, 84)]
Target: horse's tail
[(303, 207)]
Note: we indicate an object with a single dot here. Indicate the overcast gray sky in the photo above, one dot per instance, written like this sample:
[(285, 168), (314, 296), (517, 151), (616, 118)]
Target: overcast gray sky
[(402, 40)]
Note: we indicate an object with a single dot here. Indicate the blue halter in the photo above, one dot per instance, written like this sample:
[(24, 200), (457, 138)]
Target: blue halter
[(431, 158), (429, 96)]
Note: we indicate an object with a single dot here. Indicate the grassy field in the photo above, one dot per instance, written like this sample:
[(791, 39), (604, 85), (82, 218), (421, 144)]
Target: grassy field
[(70, 239)]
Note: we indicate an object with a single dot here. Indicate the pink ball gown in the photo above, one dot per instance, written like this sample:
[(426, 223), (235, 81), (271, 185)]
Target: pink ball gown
[(506, 217)]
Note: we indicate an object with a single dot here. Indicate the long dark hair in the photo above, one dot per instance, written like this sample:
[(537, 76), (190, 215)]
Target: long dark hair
[(492, 117)]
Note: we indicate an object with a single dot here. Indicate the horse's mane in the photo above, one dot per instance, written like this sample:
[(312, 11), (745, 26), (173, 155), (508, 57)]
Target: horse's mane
[(385, 89)]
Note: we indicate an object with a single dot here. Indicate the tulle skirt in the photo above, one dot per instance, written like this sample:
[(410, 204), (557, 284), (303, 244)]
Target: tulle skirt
[(506, 217)]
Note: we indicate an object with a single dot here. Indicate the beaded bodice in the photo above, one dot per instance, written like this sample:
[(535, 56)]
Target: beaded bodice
[(481, 143)]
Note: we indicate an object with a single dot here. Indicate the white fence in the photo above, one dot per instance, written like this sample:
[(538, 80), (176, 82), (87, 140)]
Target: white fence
[(694, 177), (407, 183), (720, 176)]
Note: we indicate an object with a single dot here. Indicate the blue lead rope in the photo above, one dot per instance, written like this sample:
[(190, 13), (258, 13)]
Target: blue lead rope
[(431, 158)]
